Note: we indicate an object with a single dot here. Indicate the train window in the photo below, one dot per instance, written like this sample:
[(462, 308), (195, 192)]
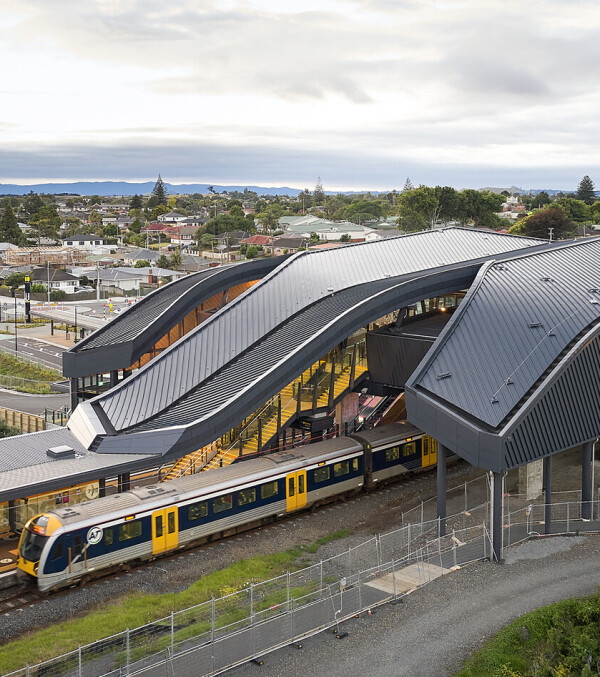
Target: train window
[(109, 536), (77, 545), (409, 449), (425, 443), (355, 464), (269, 489), (58, 551), (322, 474), (222, 503), (246, 496), (158, 525), (392, 454), (301, 487), (171, 522), (197, 511), (341, 468), (291, 486), (130, 530)]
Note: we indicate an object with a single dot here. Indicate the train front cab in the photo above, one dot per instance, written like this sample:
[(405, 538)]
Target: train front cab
[(165, 530), (295, 491), (31, 544)]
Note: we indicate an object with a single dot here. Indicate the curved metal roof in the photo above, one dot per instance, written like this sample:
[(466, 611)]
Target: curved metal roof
[(272, 331), (132, 333), (504, 356)]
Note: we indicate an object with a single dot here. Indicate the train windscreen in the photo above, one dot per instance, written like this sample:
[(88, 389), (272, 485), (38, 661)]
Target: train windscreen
[(32, 546)]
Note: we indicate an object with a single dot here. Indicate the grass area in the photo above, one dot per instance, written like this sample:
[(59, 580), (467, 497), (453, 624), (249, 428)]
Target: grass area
[(136, 609), (14, 366), (560, 640)]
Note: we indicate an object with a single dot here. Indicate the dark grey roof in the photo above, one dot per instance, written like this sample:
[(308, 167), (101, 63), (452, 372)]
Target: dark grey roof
[(301, 308), (120, 343), (26, 468), (516, 319), (503, 382)]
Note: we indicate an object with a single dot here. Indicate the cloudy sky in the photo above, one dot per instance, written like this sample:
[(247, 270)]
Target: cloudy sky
[(363, 93)]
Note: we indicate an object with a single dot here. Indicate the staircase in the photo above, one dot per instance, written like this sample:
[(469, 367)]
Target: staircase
[(215, 456)]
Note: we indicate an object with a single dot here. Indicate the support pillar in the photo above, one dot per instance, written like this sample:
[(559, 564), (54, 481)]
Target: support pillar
[(123, 482), (114, 378), (441, 488), (586, 481), (497, 517), (12, 517), (102, 487), (548, 494), (74, 389)]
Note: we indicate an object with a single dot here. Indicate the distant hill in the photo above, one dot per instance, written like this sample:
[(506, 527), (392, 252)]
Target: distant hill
[(125, 188)]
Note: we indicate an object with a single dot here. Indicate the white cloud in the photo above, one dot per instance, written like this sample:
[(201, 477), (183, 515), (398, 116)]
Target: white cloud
[(456, 83)]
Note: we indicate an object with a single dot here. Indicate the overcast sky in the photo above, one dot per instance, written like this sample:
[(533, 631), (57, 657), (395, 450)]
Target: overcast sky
[(363, 93)]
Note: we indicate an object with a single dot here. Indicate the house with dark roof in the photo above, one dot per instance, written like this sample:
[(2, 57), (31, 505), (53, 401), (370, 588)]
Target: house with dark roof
[(57, 279)]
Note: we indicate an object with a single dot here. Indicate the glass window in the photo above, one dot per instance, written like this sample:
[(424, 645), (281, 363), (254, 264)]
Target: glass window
[(321, 474), (409, 449), (392, 454), (425, 443), (109, 536), (171, 522), (269, 489), (341, 468), (58, 550), (77, 545), (291, 486), (222, 503), (158, 526), (32, 546), (130, 530), (301, 484), (246, 496), (197, 510), (355, 464)]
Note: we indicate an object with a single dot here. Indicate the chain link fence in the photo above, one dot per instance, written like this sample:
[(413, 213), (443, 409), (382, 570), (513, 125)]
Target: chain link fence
[(210, 637)]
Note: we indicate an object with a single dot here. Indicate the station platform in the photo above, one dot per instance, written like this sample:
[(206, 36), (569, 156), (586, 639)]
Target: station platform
[(8, 554)]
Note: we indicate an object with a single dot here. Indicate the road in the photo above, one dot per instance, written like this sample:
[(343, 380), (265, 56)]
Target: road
[(34, 349), (440, 625), (32, 404)]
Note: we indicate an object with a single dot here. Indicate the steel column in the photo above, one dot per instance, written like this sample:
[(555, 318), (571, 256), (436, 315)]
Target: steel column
[(547, 470), (497, 517), (74, 394), (441, 488), (331, 383), (586, 481), (114, 378)]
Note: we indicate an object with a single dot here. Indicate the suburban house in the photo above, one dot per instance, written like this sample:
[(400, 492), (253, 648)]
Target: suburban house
[(84, 241), (182, 235), (258, 240), (171, 217), (286, 244), (111, 279), (59, 280)]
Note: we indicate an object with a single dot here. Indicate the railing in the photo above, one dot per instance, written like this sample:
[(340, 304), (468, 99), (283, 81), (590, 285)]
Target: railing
[(223, 632)]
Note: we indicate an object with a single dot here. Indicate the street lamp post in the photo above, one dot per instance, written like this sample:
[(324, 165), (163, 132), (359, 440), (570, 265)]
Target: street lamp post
[(16, 341), (48, 276)]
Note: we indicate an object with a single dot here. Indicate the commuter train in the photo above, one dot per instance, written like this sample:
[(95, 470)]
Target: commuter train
[(69, 544)]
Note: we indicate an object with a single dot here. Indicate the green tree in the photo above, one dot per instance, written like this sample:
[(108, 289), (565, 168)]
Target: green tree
[(586, 190), (408, 185), (418, 206), (411, 221), (318, 193), (539, 223), (595, 211), (540, 200), (175, 260), (576, 210), (110, 230), (32, 203), (162, 261), (136, 226), (45, 222), (9, 228), (270, 216), (237, 212), (142, 263), (345, 238), (136, 202), (251, 251), (159, 194), (14, 280)]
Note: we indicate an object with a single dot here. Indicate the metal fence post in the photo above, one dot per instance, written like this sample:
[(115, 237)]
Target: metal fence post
[(409, 540), (350, 562), (127, 651), (453, 547), (359, 593), (568, 516), (422, 515), (484, 541), (172, 633), (79, 659), (251, 603), (394, 578), (287, 604), (212, 631)]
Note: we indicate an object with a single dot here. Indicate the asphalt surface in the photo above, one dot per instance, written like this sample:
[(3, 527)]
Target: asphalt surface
[(33, 349), (32, 404), (440, 625)]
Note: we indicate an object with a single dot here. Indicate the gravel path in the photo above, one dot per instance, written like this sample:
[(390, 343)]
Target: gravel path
[(439, 626)]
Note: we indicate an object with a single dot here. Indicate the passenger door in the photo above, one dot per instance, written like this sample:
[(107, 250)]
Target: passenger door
[(165, 530), (295, 490), (428, 451)]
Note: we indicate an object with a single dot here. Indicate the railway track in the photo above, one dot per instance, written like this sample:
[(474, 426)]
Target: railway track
[(19, 598)]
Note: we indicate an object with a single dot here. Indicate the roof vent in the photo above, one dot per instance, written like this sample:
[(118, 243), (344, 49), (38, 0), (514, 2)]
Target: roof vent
[(593, 301), (500, 266), (509, 381), (594, 290), (446, 374), (547, 279), (551, 333), (535, 325), (61, 452), (329, 288), (494, 400)]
